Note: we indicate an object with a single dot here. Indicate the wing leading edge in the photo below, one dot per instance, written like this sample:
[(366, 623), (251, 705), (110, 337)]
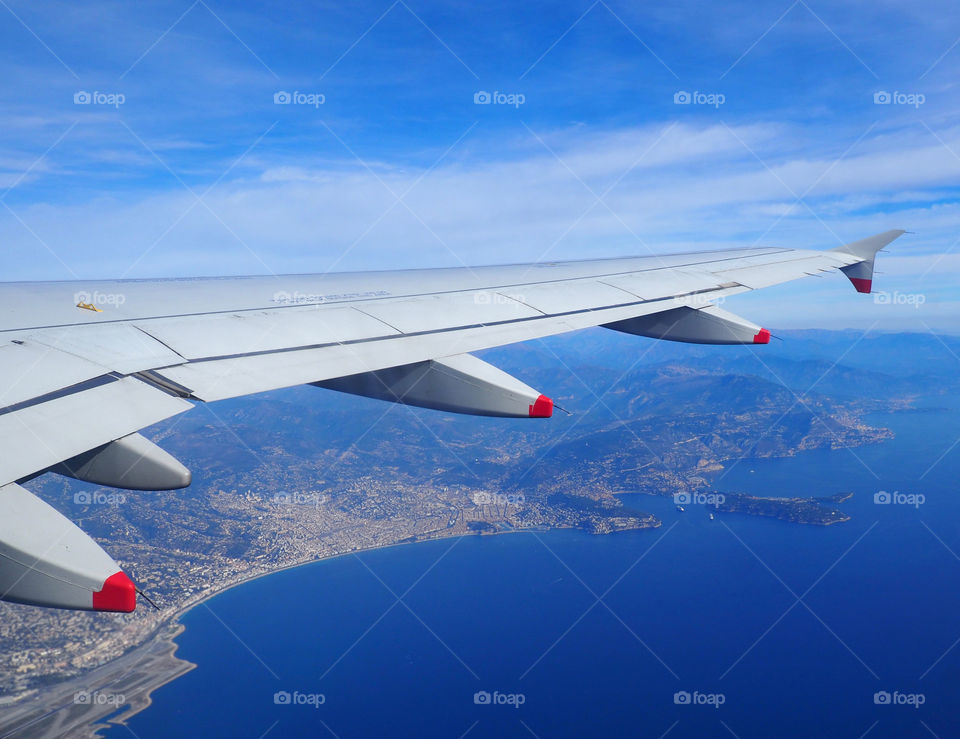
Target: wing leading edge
[(78, 384)]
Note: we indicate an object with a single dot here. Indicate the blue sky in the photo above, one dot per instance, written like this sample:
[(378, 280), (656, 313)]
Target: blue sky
[(182, 163)]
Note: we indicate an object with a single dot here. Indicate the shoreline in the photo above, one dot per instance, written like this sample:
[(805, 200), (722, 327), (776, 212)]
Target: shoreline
[(40, 714), (146, 699), (160, 645), (189, 606)]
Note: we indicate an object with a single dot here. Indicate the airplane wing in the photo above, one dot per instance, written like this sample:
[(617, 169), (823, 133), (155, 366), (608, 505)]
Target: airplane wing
[(85, 366)]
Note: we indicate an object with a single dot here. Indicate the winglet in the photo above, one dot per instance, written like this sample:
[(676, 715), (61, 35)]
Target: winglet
[(861, 273)]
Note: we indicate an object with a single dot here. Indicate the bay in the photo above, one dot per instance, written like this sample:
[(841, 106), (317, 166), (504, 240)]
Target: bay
[(771, 628)]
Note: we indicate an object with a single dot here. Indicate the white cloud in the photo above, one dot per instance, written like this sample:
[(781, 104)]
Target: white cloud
[(696, 187)]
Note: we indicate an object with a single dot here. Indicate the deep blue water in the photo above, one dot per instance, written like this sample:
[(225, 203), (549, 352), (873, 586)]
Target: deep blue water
[(697, 605)]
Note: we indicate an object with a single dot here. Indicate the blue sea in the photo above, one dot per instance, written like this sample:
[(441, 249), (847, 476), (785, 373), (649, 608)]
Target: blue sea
[(739, 626)]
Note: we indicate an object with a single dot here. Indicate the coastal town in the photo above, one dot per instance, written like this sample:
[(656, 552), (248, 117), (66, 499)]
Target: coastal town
[(267, 499)]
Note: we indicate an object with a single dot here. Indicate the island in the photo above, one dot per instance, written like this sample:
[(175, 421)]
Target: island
[(815, 511)]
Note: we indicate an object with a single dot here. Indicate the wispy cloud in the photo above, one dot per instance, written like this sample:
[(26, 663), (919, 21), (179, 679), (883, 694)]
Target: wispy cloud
[(609, 152)]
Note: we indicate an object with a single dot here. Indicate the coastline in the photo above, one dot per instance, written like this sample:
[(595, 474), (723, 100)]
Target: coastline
[(150, 665), (56, 711), (51, 711)]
